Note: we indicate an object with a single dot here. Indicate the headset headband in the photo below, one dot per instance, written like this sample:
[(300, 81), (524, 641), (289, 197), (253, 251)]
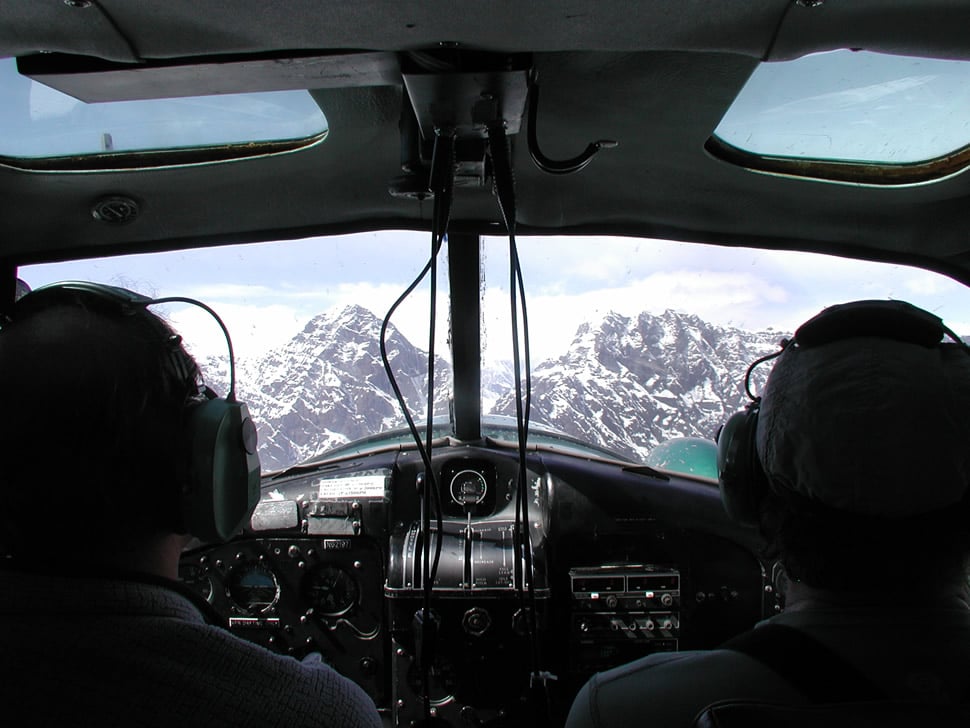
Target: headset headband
[(221, 486), (741, 475), (894, 320), (129, 303)]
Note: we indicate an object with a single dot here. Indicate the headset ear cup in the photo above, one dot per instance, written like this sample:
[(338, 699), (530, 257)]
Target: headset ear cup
[(222, 471), (741, 477)]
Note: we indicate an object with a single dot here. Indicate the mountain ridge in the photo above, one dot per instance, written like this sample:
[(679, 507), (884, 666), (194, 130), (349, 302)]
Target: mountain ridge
[(626, 383)]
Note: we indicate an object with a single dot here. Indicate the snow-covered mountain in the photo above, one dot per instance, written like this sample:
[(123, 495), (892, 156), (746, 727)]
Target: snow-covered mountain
[(624, 383), (630, 383), (328, 386)]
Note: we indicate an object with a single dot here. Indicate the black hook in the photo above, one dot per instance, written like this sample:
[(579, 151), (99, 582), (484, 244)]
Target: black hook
[(552, 166)]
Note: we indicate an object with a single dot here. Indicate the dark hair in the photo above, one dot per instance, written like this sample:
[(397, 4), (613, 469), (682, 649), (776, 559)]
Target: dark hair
[(90, 435), (840, 551)]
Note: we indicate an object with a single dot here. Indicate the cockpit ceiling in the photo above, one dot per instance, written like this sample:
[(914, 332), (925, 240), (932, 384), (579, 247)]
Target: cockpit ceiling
[(136, 30), (654, 77)]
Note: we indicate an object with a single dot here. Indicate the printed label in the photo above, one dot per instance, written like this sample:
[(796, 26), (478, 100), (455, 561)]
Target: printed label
[(359, 486)]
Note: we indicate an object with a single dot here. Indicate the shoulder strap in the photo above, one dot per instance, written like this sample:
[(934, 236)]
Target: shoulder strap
[(812, 668)]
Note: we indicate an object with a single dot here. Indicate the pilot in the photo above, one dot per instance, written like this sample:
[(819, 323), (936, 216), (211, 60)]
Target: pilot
[(95, 629), (857, 477)]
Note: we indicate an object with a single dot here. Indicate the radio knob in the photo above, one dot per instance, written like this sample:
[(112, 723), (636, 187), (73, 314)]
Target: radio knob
[(476, 621), (611, 601), (666, 599)]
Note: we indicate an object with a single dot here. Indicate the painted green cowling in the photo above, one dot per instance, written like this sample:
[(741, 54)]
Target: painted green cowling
[(687, 455)]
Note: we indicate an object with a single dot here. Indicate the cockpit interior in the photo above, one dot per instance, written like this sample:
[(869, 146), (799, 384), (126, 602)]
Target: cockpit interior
[(470, 536)]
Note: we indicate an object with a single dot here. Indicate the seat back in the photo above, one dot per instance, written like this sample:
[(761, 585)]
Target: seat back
[(874, 714)]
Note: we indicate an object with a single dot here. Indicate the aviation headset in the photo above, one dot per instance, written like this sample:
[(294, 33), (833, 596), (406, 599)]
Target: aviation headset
[(743, 481), (220, 485)]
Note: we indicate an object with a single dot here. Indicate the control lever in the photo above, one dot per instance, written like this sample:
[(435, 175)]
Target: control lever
[(425, 626), (469, 535)]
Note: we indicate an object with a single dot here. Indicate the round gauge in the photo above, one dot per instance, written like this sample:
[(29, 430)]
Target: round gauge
[(194, 577), (331, 590), (253, 588), (468, 487)]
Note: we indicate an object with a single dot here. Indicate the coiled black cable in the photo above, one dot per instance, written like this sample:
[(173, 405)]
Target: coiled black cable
[(442, 187)]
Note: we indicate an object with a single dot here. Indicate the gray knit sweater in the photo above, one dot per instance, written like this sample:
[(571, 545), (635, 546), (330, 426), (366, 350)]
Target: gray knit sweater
[(86, 651)]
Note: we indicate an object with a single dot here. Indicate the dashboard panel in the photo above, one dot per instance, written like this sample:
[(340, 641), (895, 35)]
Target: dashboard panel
[(615, 562)]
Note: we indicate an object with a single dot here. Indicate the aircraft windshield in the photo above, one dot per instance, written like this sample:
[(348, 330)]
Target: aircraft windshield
[(633, 341)]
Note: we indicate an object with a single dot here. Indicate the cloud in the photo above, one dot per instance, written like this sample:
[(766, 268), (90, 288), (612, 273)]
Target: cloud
[(577, 264), (267, 292), (234, 292), (254, 329), (924, 283), (727, 299)]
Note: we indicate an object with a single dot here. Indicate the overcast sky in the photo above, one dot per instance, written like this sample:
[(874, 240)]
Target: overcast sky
[(267, 292)]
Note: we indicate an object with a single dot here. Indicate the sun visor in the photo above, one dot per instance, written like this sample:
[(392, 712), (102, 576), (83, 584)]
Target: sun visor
[(95, 80)]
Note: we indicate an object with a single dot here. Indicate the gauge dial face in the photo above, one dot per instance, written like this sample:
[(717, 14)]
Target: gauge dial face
[(253, 588), (468, 487), (331, 590), (195, 578)]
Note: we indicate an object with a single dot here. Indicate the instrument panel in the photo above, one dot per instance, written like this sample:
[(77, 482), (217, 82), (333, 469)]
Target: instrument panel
[(621, 612), (335, 563), (301, 595)]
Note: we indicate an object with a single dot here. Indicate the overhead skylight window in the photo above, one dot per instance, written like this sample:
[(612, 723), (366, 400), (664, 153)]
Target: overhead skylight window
[(852, 107), (38, 123)]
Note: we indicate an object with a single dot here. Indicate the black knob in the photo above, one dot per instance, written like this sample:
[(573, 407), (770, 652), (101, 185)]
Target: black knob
[(368, 666), (476, 621)]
